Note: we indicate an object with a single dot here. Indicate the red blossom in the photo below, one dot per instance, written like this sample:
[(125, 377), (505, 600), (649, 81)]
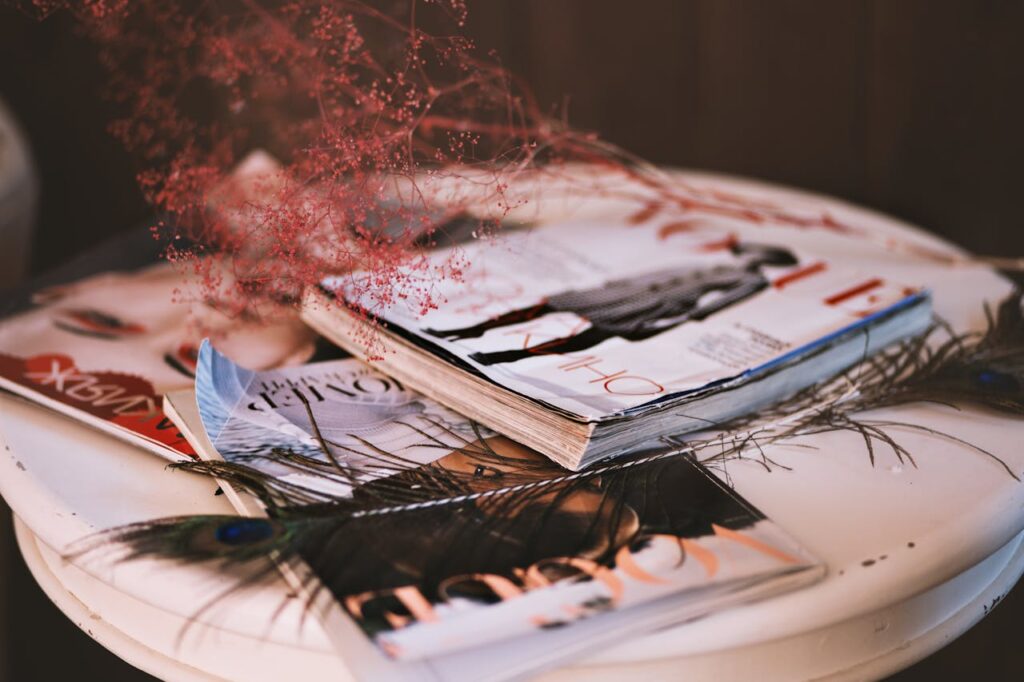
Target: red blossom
[(351, 98), (366, 113)]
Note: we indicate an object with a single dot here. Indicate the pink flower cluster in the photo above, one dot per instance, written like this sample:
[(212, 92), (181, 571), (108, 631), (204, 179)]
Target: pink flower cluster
[(366, 122)]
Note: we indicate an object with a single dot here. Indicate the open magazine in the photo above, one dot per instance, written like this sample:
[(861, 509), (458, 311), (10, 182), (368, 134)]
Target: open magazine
[(578, 338), (463, 554)]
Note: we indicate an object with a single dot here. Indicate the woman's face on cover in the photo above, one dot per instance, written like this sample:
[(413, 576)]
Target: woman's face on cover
[(489, 473), (518, 465), (134, 323)]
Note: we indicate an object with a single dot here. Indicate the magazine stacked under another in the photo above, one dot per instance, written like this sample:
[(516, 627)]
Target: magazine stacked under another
[(453, 545)]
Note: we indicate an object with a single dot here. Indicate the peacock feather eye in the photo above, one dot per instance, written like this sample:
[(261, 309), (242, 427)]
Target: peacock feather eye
[(996, 381), (244, 532)]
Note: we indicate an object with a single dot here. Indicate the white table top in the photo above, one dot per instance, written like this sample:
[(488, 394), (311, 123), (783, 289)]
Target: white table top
[(868, 647), (887, 533)]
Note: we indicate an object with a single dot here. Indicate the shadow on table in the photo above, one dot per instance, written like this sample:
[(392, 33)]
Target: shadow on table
[(38, 643)]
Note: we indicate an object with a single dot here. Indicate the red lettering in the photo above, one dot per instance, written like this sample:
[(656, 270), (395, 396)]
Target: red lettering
[(836, 299), (640, 386), (799, 274)]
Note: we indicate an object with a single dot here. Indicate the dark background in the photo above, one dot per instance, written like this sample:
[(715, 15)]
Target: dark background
[(912, 107)]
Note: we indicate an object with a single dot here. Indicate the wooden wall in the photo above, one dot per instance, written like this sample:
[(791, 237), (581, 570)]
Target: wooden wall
[(911, 106)]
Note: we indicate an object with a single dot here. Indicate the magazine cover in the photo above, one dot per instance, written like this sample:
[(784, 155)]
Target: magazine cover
[(103, 341), (437, 535), (600, 319)]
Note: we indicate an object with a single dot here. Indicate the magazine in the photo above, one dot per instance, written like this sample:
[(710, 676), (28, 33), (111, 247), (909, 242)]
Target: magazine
[(463, 554), (102, 341), (577, 338)]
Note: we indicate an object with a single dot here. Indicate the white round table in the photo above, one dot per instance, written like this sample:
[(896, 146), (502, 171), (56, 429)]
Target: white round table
[(915, 556)]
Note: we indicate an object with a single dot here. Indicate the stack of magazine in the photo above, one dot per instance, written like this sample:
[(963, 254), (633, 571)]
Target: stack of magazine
[(509, 494), (583, 339)]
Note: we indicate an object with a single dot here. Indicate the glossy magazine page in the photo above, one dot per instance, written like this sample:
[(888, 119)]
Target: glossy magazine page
[(442, 536), (103, 345), (96, 340), (601, 318)]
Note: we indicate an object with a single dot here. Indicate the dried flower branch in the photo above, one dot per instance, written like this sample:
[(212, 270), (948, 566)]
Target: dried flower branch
[(382, 131)]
